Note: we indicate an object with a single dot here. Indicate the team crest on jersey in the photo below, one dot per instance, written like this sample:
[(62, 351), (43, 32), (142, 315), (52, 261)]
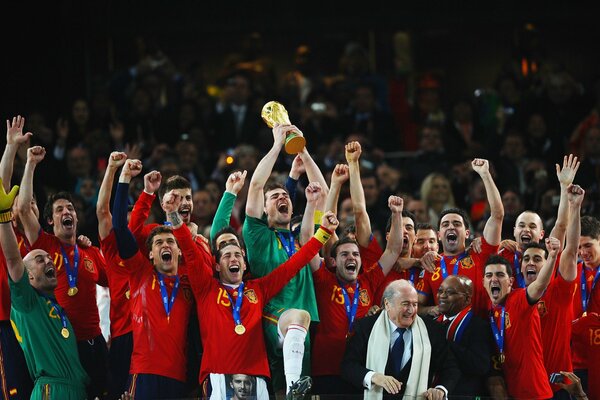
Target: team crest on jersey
[(187, 294), (363, 297), (420, 285), (507, 321), (541, 307), (467, 262), (251, 296), (89, 265)]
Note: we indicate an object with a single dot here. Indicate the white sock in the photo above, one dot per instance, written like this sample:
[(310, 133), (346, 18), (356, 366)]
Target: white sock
[(293, 352)]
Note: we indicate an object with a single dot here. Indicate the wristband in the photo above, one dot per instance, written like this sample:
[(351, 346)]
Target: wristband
[(318, 216), (5, 216), (323, 235)]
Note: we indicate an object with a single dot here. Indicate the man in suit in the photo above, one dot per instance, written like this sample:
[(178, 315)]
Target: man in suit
[(396, 353), (469, 337)]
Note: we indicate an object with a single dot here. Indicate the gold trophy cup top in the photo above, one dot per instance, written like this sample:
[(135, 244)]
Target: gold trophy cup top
[(275, 113)]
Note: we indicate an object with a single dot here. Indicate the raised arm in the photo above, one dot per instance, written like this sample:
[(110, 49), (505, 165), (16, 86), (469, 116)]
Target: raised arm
[(235, 183), (8, 240), (14, 139), (142, 206), (359, 204), (255, 202), (125, 240), (339, 176), (536, 289), (31, 224), (115, 161), (313, 194), (565, 176), (313, 172), (394, 244), (568, 259), (492, 232)]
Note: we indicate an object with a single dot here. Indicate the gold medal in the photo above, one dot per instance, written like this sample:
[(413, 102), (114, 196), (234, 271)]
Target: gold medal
[(72, 291), (65, 333), (240, 329), (501, 358)]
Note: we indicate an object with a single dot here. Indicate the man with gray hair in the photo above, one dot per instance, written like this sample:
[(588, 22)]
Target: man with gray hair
[(397, 353)]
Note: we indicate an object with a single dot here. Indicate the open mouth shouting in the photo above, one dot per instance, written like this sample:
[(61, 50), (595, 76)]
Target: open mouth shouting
[(531, 272), (525, 238), (351, 267), (166, 256), (452, 238), (50, 272), (283, 207), (68, 222), (185, 212), (495, 290)]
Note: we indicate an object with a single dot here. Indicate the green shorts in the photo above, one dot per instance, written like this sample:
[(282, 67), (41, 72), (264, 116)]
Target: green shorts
[(56, 388), (274, 344)]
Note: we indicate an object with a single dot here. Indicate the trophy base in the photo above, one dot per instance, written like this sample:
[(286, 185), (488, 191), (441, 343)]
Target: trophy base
[(294, 143)]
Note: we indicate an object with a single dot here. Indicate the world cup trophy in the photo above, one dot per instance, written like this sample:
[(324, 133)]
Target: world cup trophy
[(275, 113)]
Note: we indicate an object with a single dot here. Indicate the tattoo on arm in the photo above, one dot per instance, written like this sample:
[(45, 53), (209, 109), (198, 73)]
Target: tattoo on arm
[(175, 218)]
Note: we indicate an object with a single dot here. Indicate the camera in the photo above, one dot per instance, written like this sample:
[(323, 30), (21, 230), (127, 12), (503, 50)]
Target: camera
[(556, 377)]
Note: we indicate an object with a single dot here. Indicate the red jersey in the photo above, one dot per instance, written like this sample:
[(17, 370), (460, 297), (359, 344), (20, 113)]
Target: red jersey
[(469, 264), (370, 255), (556, 315), (412, 275), (588, 293), (81, 308), (226, 352), (330, 337), (159, 342), (118, 283), (4, 290), (524, 370), (586, 341), (139, 215)]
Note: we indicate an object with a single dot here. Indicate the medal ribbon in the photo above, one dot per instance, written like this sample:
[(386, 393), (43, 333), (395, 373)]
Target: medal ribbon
[(585, 296), (63, 317), (287, 242), (167, 301), (518, 273), (350, 309), (498, 333), (235, 310), (71, 272), (413, 274), (443, 265), (458, 325)]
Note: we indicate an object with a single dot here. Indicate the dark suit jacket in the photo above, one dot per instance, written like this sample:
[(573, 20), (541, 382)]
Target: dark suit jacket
[(443, 365), (473, 355)]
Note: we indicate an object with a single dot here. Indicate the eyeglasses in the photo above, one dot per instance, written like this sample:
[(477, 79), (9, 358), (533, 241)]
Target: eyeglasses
[(449, 292)]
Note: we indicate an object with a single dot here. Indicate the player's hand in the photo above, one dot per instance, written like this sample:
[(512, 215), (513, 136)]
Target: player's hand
[(509, 245), (152, 182), (353, 152), (553, 246), (116, 159), (313, 192), (428, 261), (434, 311), (35, 154), (575, 195), (340, 174), (480, 165), (475, 245), (329, 221), (171, 202), (569, 169), (7, 199), (396, 204), (132, 168), (14, 131), (298, 167), (235, 182), (373, 310), (389, 383), (84, 241)]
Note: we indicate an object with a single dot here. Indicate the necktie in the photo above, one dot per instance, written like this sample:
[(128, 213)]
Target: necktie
[(398, 352)]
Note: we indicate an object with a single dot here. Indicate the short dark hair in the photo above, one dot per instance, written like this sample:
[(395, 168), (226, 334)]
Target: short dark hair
[(590, 226), (424, 226), (157, 231), (496, 259), (272, 184), (455, 210), (405, 214), (535, 245), (218, 252), (174, 182), (49, 206), (222, 231), (344, 240)]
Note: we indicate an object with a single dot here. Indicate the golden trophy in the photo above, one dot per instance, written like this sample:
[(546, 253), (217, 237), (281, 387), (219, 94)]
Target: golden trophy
[(275, 113)]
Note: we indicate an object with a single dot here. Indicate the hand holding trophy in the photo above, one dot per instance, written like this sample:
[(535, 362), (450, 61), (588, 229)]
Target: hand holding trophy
[(275, 113)]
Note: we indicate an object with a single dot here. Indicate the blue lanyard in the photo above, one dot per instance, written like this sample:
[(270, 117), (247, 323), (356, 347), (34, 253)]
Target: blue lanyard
[(518, 273), (235, 309), (287, 242), (71, 272), (443, 265), (413, 274), (62, 316), (585, 296), (350, 309), (167, 301), (498, 333)]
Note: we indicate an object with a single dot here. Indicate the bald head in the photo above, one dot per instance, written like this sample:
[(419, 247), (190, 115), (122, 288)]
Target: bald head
[(454, 294), (41, 270)]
